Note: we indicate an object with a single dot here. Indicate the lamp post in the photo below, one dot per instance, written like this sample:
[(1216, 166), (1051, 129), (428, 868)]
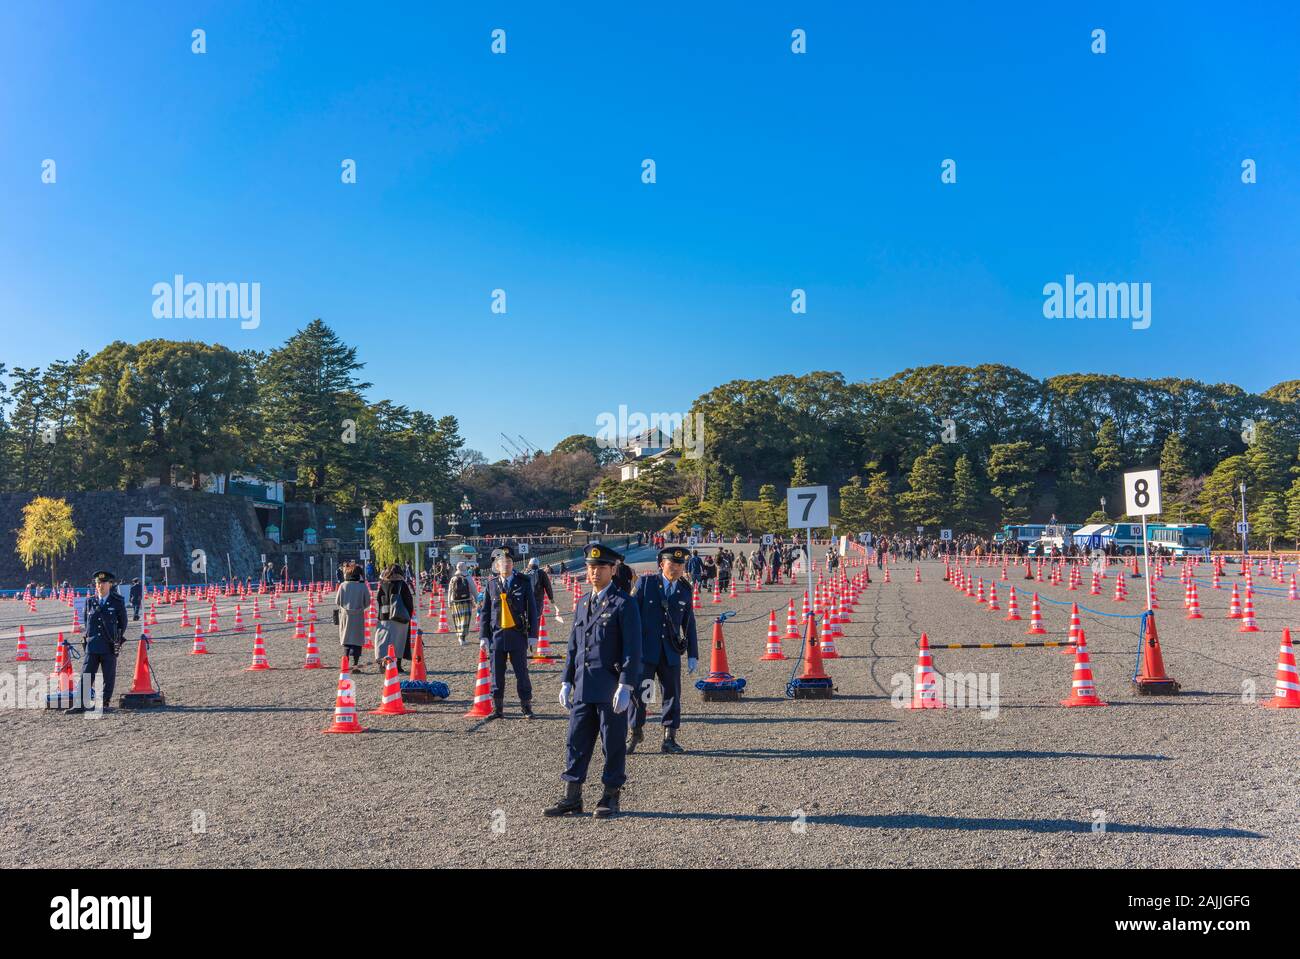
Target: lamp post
[(600, 508), (1103, 508), (365, 528), (1245, 533)]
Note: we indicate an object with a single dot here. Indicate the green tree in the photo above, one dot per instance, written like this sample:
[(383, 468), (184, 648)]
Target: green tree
[(309, 388), (1219, 497), (800, 475), (1175, 478), (161, 406), (47, 533), (1270, 458), (771, 511), (1293, 512), (1269, 521), (926, 501), (880, 513), (1011, 469), (965, 509)]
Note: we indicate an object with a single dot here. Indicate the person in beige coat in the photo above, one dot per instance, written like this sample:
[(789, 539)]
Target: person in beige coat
[(351, 602)]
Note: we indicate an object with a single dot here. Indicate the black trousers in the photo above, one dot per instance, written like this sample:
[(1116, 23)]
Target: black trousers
[(96, 662), (670, 679), (518, 660), (585, 720)]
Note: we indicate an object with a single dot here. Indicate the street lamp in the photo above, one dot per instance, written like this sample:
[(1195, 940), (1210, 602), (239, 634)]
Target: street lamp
[(365, 526), (1245, 531), (1103, 507), (474, 525)]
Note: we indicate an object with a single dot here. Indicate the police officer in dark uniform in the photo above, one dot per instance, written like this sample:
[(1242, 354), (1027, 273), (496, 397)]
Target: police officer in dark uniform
[(104, 632), (601, 668), (509, 627), (668, 631)]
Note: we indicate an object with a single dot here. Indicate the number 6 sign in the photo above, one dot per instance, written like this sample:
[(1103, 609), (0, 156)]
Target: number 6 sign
[(415, 523), (807, 506), (1142, 492), (143, 536)]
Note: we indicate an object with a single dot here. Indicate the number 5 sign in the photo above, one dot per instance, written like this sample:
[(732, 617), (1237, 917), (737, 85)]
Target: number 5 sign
[(807, 506), (143, 536), (415, 523), (1142, 492)]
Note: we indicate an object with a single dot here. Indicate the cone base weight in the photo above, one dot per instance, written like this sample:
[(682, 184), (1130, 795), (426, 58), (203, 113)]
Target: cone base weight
[(141, 700), (812, 689), (1156, 687), (720, 695)]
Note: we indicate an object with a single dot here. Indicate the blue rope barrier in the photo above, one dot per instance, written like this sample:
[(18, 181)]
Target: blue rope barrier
[(1095, 612)]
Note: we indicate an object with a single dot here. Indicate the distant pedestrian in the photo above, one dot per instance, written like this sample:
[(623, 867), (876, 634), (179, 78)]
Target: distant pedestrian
[(461, 596), (395, 603)]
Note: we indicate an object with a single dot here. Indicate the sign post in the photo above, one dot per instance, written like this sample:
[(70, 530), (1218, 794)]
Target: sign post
[(143, 536), (415, 525), (1141, 498), (806, 507)]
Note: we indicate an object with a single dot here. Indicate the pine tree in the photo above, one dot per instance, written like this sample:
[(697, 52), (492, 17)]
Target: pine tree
[(965, 509), (309, 387), (1012, 468), (800, 477), (1219, 497), (926, 501), (1270, 458), (1174, 477), (1293, 512), (880, 514)]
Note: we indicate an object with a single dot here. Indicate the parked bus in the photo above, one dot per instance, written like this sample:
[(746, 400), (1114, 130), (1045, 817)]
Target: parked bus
[(1181, 539)]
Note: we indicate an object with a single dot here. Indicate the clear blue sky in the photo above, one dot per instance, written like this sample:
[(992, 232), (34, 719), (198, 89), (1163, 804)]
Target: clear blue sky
[(775, 171)]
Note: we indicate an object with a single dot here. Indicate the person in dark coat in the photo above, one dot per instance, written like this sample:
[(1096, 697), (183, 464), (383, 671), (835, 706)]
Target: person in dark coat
[(137, 597), (104, 630), (541, 581), (509, 625), (601, 667), (396, 604), (667, 630)]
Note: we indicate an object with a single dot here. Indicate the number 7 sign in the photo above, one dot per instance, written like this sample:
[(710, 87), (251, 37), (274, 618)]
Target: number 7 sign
[(1142, 492), (807, 506)]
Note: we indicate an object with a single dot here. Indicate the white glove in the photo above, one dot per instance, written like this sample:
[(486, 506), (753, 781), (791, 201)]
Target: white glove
[(558, 617), (691, 663), (622, 697), (566, 695), (483, 644)]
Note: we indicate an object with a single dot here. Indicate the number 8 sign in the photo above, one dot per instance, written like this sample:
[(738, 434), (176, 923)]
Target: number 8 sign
[(1142, 492), (415, 523)]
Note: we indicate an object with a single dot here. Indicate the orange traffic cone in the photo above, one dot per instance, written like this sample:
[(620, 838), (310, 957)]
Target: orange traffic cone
[(200, 644), (1076, 628), (143, 694), (1035, 618), (312, 659), (482, 705), (719, 685), (1286, 690), (1013, 608), (993, 596), (391, 704), (1234, 604), (1194, 604), (813, 683), (917, 577), (22, 655), (1248, 617), (442, 615), (1082, 690), (925, 691), (543, 653), (791, 624), (259, 653), (773, 639), (1151, 678), (345, 704)]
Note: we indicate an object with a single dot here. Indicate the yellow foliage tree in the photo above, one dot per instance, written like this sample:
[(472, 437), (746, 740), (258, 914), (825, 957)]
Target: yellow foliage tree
[(47, 533)]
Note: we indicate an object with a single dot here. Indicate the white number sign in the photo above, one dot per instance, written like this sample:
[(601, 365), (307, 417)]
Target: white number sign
[(1142, 492), (415, 522), (768, 539), (807, 506), (945, 534), (144, 536)]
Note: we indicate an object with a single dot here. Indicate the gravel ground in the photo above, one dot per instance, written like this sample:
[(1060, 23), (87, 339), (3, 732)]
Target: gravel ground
[(1200, 779)]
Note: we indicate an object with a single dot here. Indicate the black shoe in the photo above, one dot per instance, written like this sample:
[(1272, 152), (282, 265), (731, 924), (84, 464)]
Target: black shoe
[(526, 707), (74, 711), (498, 709), (571, 804), (608, 805), (670, 742), (634, 740)]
